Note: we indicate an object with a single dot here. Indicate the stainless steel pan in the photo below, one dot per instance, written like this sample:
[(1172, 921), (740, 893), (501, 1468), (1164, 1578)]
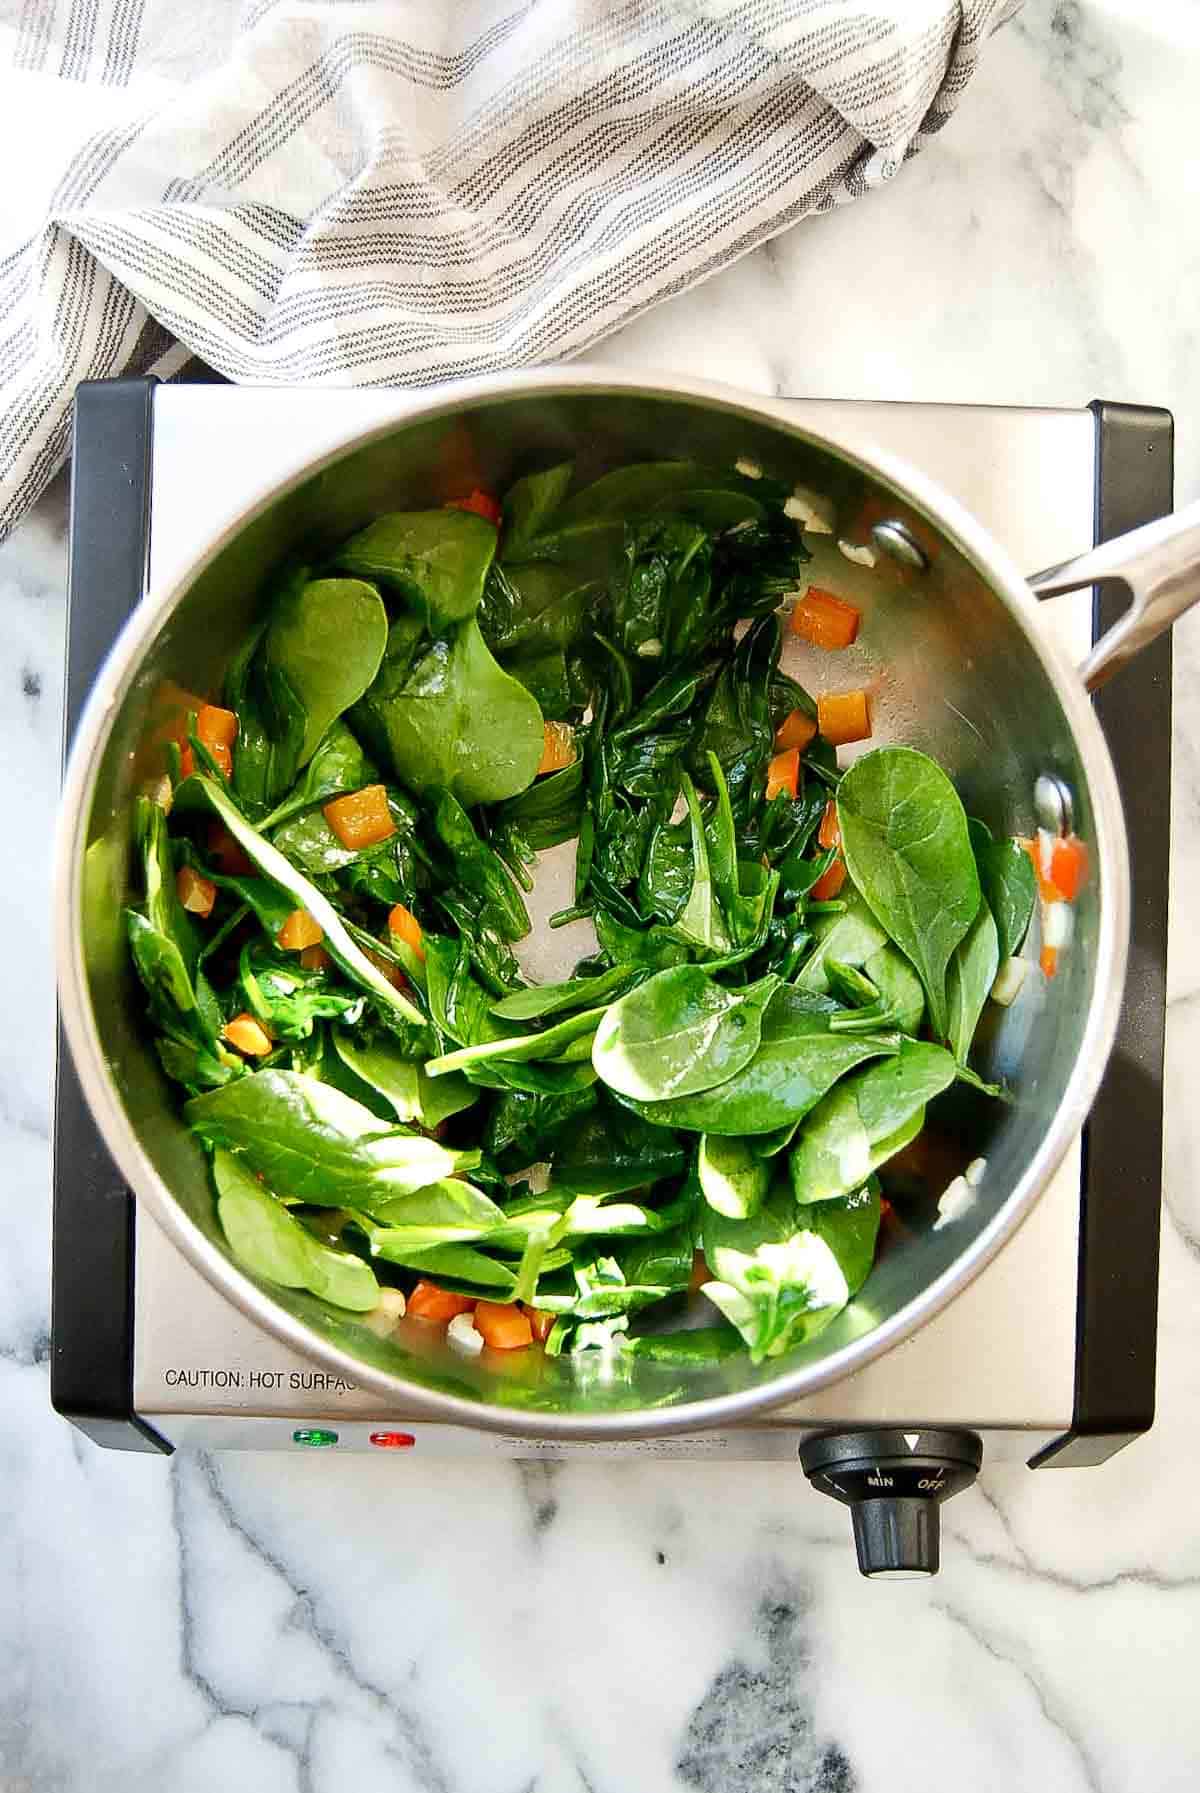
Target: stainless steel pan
[(961, 664)]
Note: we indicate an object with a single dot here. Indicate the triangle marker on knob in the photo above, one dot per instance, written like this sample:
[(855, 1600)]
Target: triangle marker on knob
[(911, 1439)]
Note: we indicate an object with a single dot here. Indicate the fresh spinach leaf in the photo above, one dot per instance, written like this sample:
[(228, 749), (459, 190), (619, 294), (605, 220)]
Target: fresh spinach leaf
[(522, 1128), (696, 1345), (338, 765), (797, 1062), (315, 1144), (479, 870), (734, 1181), (547, 813), (559, 999), (276, 988), (551, 1043), (269, 1242), (653, 947), (324, 641), (450, 1211), (701, 921), (679, 1033), (612, 1151), (458, 722), (851, 937), (530, 505), (969, 979), (907, 849), (865, 1120), (435, 562), (402, 1081), (305, 895), (1009, 889), (774, 1279), (849, 1225), (899, 987)]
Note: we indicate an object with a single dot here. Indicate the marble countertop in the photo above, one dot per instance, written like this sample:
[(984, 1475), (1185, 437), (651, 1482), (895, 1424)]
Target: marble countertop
[(296, 1626)]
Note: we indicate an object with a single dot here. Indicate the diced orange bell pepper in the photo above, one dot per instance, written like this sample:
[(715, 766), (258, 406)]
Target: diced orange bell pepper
[(796, 730), (482, 503), (540, 1322), (428, 1302), (829, 883), (361, 819), (558, 747), (1069, 866), (1048, 892), (217, 730), (503, 1328), (248, 1035), (197, 894), (227, 853), (1049, 961), (824, 620), (783, 774), (315, 958), (844, 717), (299, 931), (404, 925), (829, 834)]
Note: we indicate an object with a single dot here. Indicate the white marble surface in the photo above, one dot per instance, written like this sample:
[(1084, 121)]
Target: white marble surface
[(313, 1625)]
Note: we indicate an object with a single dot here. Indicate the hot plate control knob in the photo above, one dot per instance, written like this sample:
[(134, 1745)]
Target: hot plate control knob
[(893, 1482)]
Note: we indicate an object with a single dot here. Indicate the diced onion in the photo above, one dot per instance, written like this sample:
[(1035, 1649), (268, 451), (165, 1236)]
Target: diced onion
[(974, 1172), (812, 510), (863, 557), (462, 1336), (385, 1315), (650, 650), (747, 468), (1058, 925), (956, 1199), (1009, 979)]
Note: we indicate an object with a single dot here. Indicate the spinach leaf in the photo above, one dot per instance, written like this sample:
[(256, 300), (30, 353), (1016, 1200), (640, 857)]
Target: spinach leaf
[(552, 1043), (163, 910), (530, 505), (905, 841), (338, 765), (523, 1127), (851, 937), (434, 561), (734, 1181), (305, 895), (667, 701), (899, 987), (402, 1081), (849, 1225), (701, 921), (576, 993), (777, 1282), (461, 1268), (613, 1151), (547, 813), (1009, 889), (324, 643), (969, 979), (754, 568), (653, 947), (197, 1067), (636, 490), (277, 989), (450, 1211), (798, 1060), (533, 609), (310, 843), (270, 1243), (174, 999), (634, 1276), (678, 1033), (663, 588), (479, 870), (865, 1120), (736, 726), (458, 722), (315, 1144)]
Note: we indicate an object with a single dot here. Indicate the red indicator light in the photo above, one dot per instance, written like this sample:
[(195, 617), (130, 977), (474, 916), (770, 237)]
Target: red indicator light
[(393, 1441)]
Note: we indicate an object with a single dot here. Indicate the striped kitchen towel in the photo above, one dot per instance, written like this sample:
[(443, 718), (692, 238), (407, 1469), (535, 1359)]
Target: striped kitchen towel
[(356, 192)]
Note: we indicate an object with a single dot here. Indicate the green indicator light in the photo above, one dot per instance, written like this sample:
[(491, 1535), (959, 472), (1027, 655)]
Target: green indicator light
[(313, 1435)]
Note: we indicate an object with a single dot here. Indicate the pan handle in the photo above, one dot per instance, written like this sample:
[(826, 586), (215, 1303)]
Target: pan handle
[(1160, 563)]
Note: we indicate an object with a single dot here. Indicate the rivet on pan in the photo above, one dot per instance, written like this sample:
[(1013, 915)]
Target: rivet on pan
[(895, 539), (1053, 805)]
